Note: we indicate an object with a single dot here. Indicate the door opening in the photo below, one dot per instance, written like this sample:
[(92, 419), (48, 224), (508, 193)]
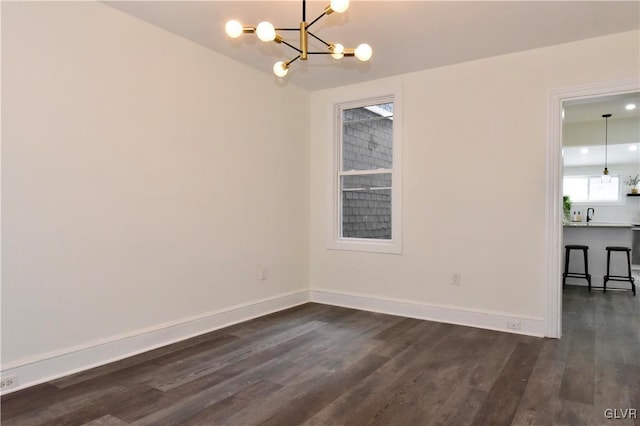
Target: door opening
[(591, 93)]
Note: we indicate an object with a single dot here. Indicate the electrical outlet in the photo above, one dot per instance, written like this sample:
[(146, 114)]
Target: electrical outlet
[(456, 277), (514, 325), (8, 382)]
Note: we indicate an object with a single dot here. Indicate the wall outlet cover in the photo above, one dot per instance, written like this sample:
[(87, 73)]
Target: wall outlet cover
[(514, 325), (8, 382)]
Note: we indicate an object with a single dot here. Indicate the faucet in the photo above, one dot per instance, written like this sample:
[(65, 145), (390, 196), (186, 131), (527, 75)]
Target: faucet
[(590, 218)]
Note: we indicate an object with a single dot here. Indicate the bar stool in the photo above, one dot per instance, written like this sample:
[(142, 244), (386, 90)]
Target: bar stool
[(627, 277), (567, 253)]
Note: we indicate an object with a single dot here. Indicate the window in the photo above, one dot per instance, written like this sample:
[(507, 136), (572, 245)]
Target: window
[(583, 189), (366, 175)]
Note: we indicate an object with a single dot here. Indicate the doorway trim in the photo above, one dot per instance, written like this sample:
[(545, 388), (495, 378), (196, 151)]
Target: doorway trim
[(554, 215)]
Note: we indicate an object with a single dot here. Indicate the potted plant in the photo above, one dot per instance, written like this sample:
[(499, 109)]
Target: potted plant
[(633, 181), (566, 208)]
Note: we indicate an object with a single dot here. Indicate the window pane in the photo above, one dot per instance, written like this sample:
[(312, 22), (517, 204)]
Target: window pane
[(366, 206), (577, 188), (599, 191), (367, 137), (591, 188)]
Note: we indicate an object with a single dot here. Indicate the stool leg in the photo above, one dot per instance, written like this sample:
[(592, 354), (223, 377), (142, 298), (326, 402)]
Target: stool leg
[(567, 253), (633, 285), (606, 277), (586, 269)]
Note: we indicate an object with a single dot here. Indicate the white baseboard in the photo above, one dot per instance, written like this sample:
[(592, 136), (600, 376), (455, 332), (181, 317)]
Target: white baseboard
[(53, 365), (480, 319)]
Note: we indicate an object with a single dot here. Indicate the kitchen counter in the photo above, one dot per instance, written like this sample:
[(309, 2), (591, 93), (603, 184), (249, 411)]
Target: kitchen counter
[(598, 225)]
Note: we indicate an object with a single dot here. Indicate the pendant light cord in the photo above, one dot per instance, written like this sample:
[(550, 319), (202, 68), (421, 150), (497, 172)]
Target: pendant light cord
[(606, 140)]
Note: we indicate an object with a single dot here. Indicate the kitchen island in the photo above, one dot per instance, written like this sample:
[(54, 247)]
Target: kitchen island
[(597, 235)]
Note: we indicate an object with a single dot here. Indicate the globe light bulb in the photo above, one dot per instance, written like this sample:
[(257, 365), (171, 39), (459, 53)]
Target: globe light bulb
[(233, 28), (363, 52), (280, 69), (265, 31), (339, 5), (338, 51)]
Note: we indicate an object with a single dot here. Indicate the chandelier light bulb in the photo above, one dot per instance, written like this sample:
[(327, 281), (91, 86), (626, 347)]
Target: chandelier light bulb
[(280, 69), (338, 51), (339, 6), (265, 31), (233, 28), (363, 52)]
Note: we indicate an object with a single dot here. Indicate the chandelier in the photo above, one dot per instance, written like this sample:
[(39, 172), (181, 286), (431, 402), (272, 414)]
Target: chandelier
[(267, 32)]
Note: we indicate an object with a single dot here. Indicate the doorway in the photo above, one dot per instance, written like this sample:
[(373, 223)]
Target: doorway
[(554, 210)]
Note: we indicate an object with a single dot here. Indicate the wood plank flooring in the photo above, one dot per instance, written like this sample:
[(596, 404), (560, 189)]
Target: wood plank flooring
[(324, 365)]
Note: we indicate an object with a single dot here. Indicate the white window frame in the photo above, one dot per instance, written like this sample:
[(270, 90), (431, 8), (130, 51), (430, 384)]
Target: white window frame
[(618, 202), (334, 240)]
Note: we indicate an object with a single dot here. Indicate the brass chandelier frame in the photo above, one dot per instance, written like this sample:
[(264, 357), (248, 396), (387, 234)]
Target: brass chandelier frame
[(362, 52)]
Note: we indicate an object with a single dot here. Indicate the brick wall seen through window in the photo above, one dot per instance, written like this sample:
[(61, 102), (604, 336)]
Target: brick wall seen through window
[(367, 172)]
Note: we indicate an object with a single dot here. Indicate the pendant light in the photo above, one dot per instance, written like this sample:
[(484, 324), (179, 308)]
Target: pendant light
[(606, 178)]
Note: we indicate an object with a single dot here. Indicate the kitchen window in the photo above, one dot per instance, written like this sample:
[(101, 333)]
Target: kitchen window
[(590, 189), (366, 174)]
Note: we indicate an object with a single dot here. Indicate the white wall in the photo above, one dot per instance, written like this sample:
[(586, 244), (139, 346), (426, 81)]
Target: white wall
[(146, 181), (470, 204)]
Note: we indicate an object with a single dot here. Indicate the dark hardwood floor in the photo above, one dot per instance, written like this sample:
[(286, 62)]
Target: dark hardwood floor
[(323, 365)]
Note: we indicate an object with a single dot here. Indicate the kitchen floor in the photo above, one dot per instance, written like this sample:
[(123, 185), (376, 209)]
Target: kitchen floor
[(601, 337)]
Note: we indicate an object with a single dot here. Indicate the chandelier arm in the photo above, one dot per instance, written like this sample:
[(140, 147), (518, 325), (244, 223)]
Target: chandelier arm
[(319, 53), (291, 46), (293, 60), (316, 20), (319, 39)]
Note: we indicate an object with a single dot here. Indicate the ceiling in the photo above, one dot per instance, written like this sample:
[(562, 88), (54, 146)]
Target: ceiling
[(587, 114), (406, 36), (592, 109), (594, 155)]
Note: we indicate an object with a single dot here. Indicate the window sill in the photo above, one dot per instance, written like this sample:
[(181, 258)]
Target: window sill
[(597, 203), (366, 245)]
